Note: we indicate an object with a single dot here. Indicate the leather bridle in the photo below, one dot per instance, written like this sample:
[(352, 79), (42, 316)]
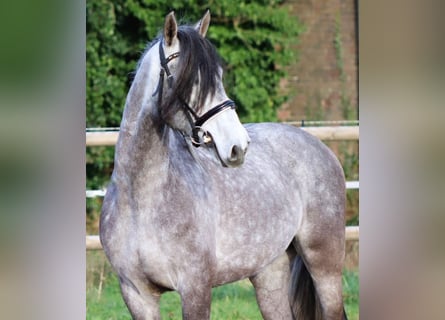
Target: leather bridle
[(196, 121)]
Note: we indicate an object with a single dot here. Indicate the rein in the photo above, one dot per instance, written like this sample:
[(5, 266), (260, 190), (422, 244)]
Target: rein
[(196, 121)]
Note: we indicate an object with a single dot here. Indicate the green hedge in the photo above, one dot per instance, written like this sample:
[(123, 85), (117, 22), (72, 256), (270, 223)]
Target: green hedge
[(252, 37)]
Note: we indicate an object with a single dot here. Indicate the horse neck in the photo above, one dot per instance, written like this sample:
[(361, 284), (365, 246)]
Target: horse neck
[(143, 148), (140, 130)]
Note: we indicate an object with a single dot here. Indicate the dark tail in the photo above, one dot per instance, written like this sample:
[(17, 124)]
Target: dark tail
[(303, 296)]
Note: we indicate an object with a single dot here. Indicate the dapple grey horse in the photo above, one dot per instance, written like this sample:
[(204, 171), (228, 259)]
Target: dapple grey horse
[(197, 200)]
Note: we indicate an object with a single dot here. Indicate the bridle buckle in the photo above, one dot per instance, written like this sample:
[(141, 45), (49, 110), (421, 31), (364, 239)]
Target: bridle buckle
[(170, 80), (205, 139)]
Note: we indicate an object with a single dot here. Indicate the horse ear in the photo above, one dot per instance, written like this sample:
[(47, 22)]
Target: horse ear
[(203, 25), (170, 29)]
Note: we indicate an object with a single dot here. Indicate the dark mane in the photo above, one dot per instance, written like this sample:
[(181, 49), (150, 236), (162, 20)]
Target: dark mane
[(197, 57)]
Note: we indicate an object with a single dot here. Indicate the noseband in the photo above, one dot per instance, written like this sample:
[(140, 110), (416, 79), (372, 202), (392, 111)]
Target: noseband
[(196, 121)]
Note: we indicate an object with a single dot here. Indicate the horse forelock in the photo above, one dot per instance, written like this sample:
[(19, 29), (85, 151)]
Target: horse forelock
[(197, 58)]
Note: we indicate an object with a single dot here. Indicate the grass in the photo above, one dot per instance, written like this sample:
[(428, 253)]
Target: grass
[(232, 301), (351, 294)]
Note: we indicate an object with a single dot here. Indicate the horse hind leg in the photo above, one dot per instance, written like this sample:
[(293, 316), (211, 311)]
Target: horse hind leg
[(316, 285), (272, 288)]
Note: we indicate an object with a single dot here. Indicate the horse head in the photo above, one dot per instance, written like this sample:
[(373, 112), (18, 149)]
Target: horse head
[(191, 96)]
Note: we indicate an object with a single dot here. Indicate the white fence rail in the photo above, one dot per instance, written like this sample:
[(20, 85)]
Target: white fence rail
[(93, 242), (109, 138), (101, 193)]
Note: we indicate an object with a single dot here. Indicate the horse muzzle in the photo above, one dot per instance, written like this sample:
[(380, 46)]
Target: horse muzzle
[(236, 157)]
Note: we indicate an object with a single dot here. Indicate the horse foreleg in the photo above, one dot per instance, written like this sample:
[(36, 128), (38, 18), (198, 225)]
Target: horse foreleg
[(196, 301), (142, 301), (272, 288)]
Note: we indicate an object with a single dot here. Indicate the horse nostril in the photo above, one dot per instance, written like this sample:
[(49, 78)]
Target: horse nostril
[(236, 154)]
